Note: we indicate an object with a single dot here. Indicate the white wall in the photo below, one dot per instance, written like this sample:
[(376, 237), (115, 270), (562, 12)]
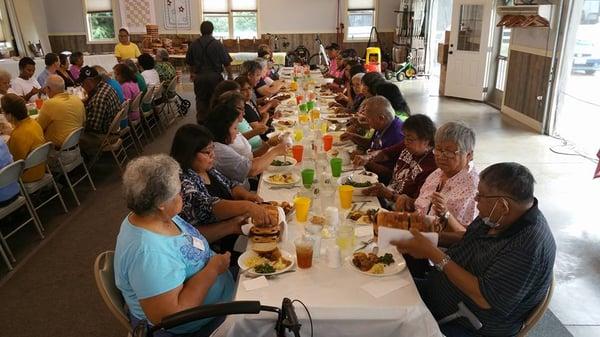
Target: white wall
[(32, 21), (274, 16)]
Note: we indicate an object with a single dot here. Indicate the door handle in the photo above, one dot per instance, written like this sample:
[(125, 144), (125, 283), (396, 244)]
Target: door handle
[(450, 52)]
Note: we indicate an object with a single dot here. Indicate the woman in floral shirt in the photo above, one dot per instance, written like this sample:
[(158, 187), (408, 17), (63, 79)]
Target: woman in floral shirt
[(449, 192), (211, 202), (163, 67)]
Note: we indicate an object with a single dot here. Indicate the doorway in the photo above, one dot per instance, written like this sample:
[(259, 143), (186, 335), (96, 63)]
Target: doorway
[(577, 116)]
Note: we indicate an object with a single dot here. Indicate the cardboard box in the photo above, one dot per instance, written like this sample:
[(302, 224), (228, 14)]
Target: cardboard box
[(442, 56)]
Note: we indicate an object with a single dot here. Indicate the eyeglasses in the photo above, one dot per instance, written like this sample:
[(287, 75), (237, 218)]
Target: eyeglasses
[(445, 153), (481, 196)]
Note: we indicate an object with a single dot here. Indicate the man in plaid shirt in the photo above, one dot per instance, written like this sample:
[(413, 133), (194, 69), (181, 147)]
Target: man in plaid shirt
[(101, 107)]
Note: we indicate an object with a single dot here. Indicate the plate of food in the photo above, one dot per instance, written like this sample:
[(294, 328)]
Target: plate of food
[(282, 163), (360, 181), (266, 259), (386, 263), (367, 217), (327, 95), (282, 179), (282, 97), (284, 123)]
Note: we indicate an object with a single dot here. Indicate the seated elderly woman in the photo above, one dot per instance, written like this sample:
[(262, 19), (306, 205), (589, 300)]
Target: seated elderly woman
[(26, 136), (380, 117), (414, 161), (211, 202), (262, 88), (253, 71), (350, 100), (222, 122), (163, 67), (163, 265), (449, 192), (501, 268)]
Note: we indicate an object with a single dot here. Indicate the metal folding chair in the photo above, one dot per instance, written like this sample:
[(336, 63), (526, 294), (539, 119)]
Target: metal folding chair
[(8, 175), (113, 143), (40, 156), (149, 116), (137, 127), (169, 102), (124, 132), (71, 145)]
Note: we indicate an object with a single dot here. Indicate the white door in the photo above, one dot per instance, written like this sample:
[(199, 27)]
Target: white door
[(468, 53)]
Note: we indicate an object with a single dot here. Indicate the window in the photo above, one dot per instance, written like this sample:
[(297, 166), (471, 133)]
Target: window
[(232, 18), (361, 17), (99, 20)]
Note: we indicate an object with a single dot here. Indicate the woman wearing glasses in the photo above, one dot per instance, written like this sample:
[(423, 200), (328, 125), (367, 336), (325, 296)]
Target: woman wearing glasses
[(449, 192), (211, 202)]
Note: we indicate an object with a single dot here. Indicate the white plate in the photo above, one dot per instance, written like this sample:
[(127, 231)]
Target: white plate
[(337, 119), (295, 180), (360, 178), (249, 253), (393, 269), (328, 97), (278, 125), (283, 168)]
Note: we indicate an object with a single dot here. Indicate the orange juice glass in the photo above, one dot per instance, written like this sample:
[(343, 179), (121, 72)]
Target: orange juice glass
[(346, 196), (303, 118), (302, 205), (315, 114)]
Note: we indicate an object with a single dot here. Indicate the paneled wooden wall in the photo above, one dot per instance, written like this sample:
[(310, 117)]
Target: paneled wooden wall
[(78, 42), (526, 80)]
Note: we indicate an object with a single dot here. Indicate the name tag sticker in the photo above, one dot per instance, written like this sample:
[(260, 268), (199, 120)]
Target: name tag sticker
[(197, 243)]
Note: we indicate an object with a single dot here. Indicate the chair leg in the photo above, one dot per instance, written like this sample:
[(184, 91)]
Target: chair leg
[(5, 258), (69, 181), (62, 201), (36, 222), (87, 173), (31, 209), (8, 250)]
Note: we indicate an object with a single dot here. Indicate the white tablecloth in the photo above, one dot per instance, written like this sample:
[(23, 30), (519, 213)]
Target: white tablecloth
[(337, 304), (107, 61)]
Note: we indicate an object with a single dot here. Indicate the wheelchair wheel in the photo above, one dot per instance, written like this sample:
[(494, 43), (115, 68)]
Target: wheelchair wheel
[(184, 106)]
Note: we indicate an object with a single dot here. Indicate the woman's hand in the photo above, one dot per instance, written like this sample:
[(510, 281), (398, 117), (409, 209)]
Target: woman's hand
[(254, 197), (348, 136), (237, 222), (360, 160), (261, 128), (219, 263), (403, 203), (259, 215), (439, 203), (281, 148), (273, 103)]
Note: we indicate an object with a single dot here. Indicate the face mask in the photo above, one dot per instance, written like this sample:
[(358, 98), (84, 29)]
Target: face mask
[(487, 220)]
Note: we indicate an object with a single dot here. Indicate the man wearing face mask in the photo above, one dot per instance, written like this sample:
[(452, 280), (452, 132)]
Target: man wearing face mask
[(500, 268)]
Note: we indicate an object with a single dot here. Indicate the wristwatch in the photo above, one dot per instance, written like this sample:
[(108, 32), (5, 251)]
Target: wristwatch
[(446, 216), (440, 266)]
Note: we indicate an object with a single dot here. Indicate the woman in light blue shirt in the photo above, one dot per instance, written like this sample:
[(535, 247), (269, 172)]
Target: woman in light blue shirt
[(9, 192), (163, 265)]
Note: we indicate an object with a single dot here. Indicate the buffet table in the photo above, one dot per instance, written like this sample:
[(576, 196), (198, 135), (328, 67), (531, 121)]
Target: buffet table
[(107, 61), (337, 298)]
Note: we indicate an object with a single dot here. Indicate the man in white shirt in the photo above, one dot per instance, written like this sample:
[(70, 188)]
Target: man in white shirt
[(25, 85), (52, 64), (146, 62)]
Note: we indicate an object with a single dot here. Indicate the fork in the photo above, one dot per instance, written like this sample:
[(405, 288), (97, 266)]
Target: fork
[(365, 244), (351, 210)]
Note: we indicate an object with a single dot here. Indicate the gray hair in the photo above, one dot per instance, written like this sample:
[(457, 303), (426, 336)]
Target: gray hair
[(101, 72), (358, 76), (150, 181), (251, 66), (55, 83), (511, 179), (5, 74), (131, 64), (162, 55), (379, 106), (457, 132)]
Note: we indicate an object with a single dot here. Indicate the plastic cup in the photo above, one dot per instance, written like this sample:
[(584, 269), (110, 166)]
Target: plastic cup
[(302, 205), (308, 175), (344, 237), (304, 252), (294, 86), (327, 142), (346, 196), (336, 167), (303, 118), (297, 151), (310, 105), (315, 114), (38, 103), (303, 107), (299, 99)]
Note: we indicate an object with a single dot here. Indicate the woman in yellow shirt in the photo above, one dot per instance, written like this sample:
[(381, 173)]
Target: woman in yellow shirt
[(125, 49), (26, 136)]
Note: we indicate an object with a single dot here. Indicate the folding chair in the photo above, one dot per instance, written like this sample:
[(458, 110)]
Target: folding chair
[(124, 132), (71, 145), (8, 175), (40, 156), (169, 107), (137, 127), (104, 273), (149, 116), (113, 143), (537, 313)]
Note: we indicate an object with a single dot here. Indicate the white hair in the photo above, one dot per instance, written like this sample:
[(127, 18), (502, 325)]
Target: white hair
[(162, 55), (457, 132), (379, 106), (55, 83)]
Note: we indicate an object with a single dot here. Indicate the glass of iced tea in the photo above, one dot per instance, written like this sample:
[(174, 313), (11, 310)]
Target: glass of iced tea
[(304, 252)]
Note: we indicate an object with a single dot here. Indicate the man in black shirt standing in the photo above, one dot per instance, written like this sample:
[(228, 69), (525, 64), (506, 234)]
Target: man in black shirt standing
[(500, 268), (206, 58)]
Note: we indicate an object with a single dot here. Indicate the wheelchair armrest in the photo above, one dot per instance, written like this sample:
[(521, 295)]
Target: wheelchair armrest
[(207, 311)]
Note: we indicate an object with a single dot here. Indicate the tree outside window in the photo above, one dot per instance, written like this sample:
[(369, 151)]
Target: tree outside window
[(101, 26)]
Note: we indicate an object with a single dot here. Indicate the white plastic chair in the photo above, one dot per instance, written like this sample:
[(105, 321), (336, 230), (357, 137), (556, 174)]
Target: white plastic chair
[(40, 156), (8, 175), (72, 144)]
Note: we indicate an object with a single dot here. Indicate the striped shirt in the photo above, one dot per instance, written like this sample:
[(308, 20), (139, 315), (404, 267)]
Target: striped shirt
[(514, 269)]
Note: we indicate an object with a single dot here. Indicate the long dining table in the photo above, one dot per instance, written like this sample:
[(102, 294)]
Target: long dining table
[(336, 298)]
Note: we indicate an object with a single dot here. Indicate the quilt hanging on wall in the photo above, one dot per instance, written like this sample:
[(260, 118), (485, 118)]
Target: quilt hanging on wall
[(177, 14), (136, 14)]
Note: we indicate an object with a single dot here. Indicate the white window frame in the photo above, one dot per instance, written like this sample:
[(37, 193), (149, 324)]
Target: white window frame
[(88, 35), (348, 38), (230, 15)]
